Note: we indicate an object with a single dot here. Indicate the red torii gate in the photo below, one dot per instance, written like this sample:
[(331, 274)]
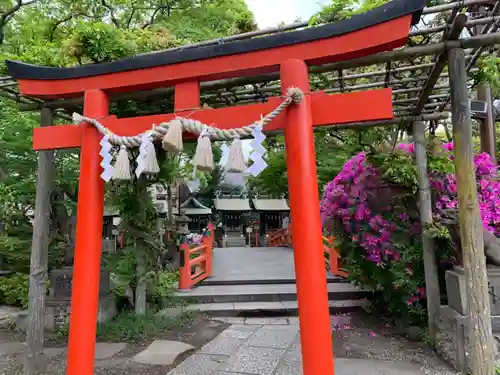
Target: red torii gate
[(379, 30)]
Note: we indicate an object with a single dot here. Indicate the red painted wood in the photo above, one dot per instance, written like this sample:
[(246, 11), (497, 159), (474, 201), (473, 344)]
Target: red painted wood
[(312, 293), (68, 136), (382, 37), (187, 96), (326, 110), (204, 260), (86, 270)]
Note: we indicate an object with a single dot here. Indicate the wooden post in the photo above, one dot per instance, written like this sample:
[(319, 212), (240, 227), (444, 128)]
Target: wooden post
[(487, 127), (39, 255), (312, 295), (87, 270), (425, 208), (482, 352)]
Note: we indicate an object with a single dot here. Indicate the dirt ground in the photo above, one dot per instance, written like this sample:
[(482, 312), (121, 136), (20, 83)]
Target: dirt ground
[(197, 334), (365, 336), (356, 336)]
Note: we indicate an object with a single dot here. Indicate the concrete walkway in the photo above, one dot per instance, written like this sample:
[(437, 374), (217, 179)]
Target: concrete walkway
[(274, 349)]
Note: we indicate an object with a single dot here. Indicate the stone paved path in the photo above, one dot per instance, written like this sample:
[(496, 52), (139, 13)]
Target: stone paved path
[(236, 264), (249, 346), (272, 347)]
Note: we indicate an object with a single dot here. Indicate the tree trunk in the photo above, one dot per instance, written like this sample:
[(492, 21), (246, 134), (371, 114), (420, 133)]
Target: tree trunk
[(425, 208), (141, 288), (482, 351), (39, 256)]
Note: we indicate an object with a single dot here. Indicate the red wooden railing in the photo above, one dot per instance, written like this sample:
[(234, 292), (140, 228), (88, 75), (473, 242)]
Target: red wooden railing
[(283, 238), (196, 262), (280, 238), (332, 257)]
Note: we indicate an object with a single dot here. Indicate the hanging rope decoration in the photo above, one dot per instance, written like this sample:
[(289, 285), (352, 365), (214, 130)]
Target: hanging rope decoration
[(170, 133)]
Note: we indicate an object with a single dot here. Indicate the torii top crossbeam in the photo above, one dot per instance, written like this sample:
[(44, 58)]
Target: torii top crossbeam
[(379, 30)]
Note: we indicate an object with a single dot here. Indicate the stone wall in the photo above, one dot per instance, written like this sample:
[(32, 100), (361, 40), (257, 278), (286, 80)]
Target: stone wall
[(58, 303), (452, 339), (57, 312), (453, 336)]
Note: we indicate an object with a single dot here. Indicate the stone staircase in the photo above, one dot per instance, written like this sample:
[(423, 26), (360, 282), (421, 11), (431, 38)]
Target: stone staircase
[(234, 239), (271, 298)]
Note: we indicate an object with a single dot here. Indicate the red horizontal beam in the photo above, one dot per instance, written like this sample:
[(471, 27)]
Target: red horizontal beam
[(382, 37), (326, 110)]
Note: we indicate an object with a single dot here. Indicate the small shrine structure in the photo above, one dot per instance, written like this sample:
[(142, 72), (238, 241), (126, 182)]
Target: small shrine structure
[(198, 213)]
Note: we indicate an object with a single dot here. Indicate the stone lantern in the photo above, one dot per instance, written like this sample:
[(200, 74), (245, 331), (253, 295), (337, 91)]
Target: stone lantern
[(182, 222)]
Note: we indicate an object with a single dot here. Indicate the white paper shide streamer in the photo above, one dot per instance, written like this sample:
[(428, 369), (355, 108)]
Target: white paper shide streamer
[(259, 164), (107, 158)]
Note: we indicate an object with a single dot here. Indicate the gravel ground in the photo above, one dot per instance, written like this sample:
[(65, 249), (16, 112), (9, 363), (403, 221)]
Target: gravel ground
[(197, 334), (365, 336)]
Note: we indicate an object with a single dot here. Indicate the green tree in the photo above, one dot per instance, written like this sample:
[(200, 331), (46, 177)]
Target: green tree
[(66, 33)]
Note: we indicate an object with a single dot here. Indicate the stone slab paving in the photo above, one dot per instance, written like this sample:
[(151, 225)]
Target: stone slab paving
[(162, 352), (259, 346), (104, 350), (8, 315)]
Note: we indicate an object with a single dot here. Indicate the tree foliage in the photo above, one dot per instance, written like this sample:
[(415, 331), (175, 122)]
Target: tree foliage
[(67, 33)]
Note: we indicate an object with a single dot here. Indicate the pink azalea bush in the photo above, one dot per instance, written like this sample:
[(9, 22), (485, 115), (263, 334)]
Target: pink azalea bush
[(371, 207)]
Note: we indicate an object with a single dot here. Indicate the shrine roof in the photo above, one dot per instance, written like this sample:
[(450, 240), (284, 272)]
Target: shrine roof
[(387, 12), (271, 204), (194, 207), (232, 204)]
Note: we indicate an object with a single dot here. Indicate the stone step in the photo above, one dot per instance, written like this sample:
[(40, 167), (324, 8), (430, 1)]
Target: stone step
[(270, 280), (284, 308), (264, 293)]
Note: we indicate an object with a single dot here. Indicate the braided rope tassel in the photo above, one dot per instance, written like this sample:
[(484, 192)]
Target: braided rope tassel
[(171, 135), (294, 95), (122, 165), (204, 159), (236, 160)]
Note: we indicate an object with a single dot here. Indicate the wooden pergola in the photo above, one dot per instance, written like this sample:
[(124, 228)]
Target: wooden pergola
[(370, 51)]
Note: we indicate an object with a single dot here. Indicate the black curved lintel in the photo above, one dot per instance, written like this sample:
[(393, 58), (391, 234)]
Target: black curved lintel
[(389, 11)]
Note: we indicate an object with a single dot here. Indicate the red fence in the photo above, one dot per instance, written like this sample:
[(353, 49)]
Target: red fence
[(283, 238), (332, 257), (196, 261), (280, 238)]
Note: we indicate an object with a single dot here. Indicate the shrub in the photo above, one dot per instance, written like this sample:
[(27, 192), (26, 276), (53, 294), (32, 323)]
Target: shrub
[(14, 290), (130, 327), (372, 208)]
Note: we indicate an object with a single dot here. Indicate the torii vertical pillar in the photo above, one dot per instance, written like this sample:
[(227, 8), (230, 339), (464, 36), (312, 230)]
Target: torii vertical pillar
[(312, 293), (87, 265)]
